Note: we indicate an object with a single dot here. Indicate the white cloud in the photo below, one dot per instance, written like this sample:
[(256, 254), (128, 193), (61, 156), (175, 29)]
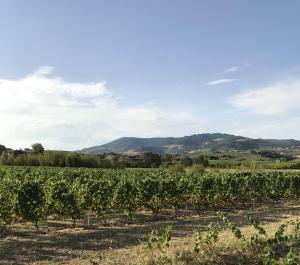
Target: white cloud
[(279, 98), (65, 115), (277, 129), (44, 70), (232, 69), (221, 81)]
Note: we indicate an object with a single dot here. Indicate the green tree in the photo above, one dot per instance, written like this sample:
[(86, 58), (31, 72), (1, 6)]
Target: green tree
[(186, 161), (151, 159), (200, 160), (37, 148), (73, 160)]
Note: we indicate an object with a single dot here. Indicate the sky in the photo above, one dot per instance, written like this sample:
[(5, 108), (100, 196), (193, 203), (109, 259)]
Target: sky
[(79, 73)]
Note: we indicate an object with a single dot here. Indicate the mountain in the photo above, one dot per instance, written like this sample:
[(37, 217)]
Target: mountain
[(2, 148), (190, 144)]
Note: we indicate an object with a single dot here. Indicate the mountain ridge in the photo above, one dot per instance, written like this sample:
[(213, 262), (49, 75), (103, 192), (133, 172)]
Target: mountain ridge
[(190, 144)]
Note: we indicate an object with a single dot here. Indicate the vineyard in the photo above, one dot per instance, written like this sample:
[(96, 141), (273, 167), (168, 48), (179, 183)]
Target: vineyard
[(43, 212), (33, 194)]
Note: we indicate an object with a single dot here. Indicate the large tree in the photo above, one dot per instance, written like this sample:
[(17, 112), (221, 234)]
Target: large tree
[(151, 159), (37, 148)]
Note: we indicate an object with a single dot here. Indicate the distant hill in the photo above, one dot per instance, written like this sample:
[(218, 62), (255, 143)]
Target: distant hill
[(2, 148), (190, 144)]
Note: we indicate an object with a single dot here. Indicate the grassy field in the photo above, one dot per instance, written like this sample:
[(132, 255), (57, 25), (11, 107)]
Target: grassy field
[(123, 242), (248, 160)]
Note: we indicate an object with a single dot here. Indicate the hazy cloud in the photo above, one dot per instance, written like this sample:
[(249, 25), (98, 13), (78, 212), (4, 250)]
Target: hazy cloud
[(286, 128), (232, 69), (275, 99), (221, 81), (61, 114)]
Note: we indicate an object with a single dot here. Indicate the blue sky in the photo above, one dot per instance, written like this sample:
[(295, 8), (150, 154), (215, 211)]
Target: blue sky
[(80, 73)]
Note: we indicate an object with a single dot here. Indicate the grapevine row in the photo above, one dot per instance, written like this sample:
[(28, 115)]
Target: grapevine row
[(35, 193)]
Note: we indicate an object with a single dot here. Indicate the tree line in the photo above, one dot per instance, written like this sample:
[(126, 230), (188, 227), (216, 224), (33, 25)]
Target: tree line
[(38, 156)]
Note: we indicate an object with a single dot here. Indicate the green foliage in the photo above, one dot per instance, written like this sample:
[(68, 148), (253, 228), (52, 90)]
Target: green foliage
[(256, 239), (269, 257), (151, 160), (63, 200), (37, 148), (71, 191), (125, 196), (210, 237), (212, 234), (232, 227), (101, 194), (7, 203), (75, 159), (292, 258), (195, 169), (151, 194), (295, 229), (30, 199), (177, 168), (186, 161), (35, 193), (159, 242), (280, 234), (201, 160), (255, 224), (274, 253), (198, 241)]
